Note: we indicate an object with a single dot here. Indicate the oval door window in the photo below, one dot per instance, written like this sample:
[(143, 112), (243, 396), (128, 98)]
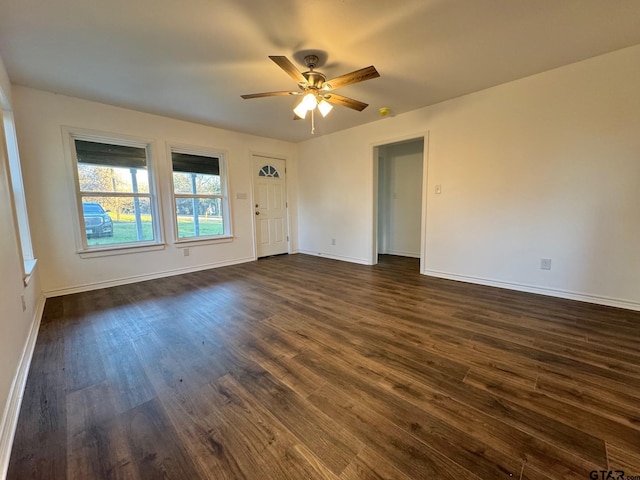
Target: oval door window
[(269, 171)]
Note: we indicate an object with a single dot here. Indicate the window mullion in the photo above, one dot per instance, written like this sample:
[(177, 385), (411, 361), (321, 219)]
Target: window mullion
[(197, 195), (114, 194)]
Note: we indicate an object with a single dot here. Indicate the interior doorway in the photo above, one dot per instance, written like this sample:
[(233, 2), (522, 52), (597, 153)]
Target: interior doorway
[(400, 198)]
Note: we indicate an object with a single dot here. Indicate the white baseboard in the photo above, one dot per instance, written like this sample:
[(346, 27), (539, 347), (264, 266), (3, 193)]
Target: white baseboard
[(141, 278), (9, 420), (552, 292), (401, 254), (342, 258)]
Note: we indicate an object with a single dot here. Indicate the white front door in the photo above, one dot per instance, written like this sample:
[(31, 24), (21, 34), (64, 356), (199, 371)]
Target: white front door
[(270, 195)]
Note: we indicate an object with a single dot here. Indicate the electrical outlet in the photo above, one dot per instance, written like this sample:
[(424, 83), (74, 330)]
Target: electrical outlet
[(438, 189), (185, 252), (333, 241), (545, 264)]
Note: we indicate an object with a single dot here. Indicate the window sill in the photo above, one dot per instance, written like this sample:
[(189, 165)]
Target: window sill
[(190, 242), (29, 267), (110, 251)]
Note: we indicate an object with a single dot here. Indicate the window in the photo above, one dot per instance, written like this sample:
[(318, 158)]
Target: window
[(200, 194), (117, 202), (269, 171)]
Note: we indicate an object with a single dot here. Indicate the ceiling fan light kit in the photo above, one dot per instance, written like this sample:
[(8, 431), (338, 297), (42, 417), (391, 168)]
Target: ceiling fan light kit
[(324, 107), (310, 101), (315, 88), (300, 110)]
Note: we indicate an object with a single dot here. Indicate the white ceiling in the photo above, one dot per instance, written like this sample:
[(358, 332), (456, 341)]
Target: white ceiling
[(192, 59)]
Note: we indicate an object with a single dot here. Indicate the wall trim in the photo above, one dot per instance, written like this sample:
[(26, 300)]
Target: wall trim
[(551, 292), (141, 278), (342, 258), (9, 420), (401, 253)]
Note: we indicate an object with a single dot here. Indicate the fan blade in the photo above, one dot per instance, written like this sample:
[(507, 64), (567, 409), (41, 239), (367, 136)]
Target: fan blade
[(268, 94), (349, 78), (345, 101), (285, 64)]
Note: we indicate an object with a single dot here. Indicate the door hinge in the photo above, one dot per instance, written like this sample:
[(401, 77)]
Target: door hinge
[(287, 238)]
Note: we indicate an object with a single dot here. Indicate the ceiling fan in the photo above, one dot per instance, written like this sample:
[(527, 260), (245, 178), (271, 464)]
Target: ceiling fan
[(316, 90)]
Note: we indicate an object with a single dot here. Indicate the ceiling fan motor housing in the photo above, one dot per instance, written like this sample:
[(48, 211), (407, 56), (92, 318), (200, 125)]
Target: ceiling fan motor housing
[(314, 79)]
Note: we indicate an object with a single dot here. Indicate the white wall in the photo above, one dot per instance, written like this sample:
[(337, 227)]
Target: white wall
[(50, 193), (544, 167), (17, 327), (400, 198)]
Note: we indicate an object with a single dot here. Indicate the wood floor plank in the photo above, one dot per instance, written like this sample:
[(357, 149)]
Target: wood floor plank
[(339, 339), (433, 338), (304, 367), (526, 419), (90, 406), (554, 361), (101, 451), (599, 399), (524, 324), (43, 416), (196, 421), (622, 362), (321, 472), (311, 426), (277, 452), (576, 417), (450, 441), (624, 393), (530, 473), (623, 459), (498, 428), (144, 425), (406, 453), (47, 462), (125, 371), (371, 466), (296, 377)]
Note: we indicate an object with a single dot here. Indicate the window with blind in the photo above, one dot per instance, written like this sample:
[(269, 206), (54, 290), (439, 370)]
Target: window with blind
[(116, 195), (200, 194)]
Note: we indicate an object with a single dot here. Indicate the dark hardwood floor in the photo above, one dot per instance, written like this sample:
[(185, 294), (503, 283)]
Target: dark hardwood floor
[(297, 367)]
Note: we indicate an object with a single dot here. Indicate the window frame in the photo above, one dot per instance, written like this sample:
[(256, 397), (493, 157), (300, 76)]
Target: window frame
[(227, 234), (16, 189), (82, 247)]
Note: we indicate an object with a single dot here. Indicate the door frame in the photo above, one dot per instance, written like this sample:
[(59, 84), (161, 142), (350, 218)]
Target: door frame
[(252, 156), (375, 148)]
